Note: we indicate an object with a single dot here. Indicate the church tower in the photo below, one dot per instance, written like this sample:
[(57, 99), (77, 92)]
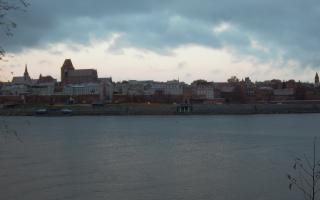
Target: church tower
[(316, 80), (26, 74), (66, 67)]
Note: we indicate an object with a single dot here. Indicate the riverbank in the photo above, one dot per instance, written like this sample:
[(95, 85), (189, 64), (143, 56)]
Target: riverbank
[(164, 109)]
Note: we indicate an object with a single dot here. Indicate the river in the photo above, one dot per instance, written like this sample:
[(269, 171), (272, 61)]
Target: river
[(244, 157)]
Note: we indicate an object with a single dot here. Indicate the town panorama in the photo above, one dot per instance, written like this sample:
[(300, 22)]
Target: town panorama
[(84, 86)]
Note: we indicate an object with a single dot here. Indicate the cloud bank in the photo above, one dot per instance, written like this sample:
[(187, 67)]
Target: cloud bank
[(269, 30)]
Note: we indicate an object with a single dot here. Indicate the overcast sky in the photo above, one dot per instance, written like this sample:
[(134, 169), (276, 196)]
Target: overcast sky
[(168, 39)]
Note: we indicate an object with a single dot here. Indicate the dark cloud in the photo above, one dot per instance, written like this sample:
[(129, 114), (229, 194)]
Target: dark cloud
[(288, 29)]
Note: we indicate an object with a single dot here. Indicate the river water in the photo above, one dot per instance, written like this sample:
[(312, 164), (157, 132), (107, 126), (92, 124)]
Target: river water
[(152, 157)]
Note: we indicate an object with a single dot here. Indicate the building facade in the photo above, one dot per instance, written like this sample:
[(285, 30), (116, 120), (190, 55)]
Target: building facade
[(70, 75)]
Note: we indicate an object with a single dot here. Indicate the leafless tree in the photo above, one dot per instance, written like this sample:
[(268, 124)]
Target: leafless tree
[(7, 24), (306, 175)]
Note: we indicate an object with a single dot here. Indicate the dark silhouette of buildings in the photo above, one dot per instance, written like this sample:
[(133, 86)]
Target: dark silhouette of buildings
[(83, 86), (70, 75), (25, 79)]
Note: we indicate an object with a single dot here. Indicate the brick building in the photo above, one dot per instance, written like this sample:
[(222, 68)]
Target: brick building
[(70, 75)]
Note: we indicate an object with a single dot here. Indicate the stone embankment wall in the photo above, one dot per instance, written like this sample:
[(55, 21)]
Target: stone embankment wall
[(168, 109), (256, 108)]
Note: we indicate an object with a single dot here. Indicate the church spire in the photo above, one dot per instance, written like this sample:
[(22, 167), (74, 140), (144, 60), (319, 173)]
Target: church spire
[(26, 73), (26, 69), (316, 80)]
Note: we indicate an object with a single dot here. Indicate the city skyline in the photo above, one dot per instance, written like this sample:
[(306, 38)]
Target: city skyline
[(161, 41), (36, 75), (160, 67)]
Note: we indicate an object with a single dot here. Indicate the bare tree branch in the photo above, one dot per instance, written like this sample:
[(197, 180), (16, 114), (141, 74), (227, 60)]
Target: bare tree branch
[(7, 24), (306, 178)]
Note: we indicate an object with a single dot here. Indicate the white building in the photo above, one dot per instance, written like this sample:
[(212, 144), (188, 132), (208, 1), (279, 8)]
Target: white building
[(154, 87), (174, 87), (43, 89), (15, 90), (121, 88), (203, 91), (107, 88), (104, 88), (82, 89), (134, 87)]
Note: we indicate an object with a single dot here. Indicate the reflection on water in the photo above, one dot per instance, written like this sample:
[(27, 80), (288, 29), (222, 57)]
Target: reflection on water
[(158, 157)]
